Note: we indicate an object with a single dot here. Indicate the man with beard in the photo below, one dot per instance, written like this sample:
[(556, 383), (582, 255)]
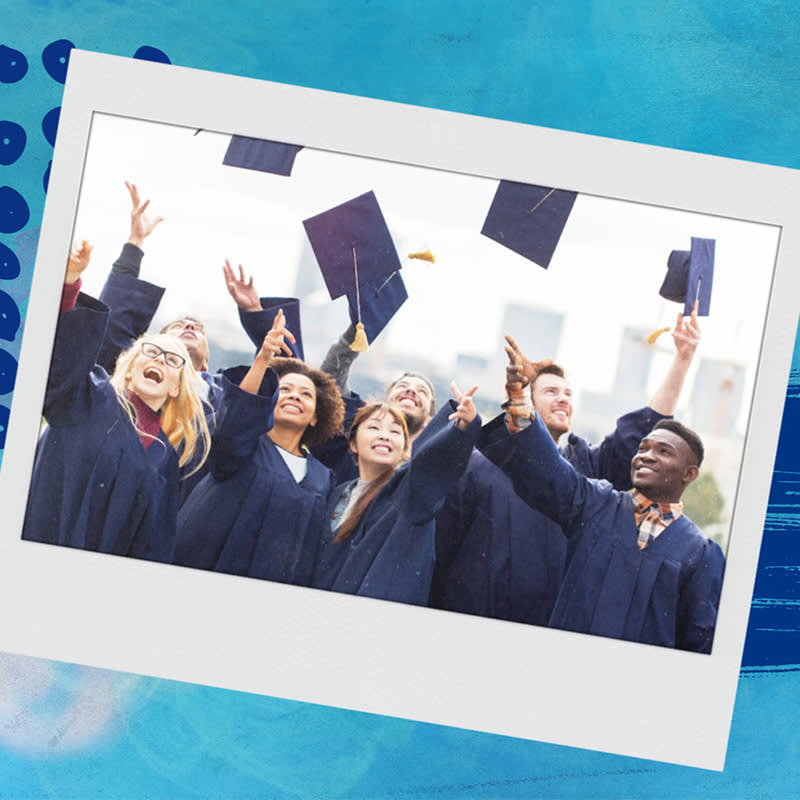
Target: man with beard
[(496, 556), (637, 567)]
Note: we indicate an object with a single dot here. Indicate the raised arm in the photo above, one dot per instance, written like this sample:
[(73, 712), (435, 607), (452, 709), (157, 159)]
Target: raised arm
[(73, 379), (339, 360), (274, 343), (686, 336), (256, 314), (246, 410), (142, 224), (441, 459), (133, 302)]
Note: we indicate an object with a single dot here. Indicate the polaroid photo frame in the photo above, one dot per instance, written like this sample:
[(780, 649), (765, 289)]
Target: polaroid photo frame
[(375, 656)]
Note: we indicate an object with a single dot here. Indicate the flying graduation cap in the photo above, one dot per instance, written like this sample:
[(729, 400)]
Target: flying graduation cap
[(528, 219), (357, 257), (261, 154), (690, 275)]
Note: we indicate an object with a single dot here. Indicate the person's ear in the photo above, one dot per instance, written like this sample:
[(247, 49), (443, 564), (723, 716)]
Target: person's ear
[(690, 473)]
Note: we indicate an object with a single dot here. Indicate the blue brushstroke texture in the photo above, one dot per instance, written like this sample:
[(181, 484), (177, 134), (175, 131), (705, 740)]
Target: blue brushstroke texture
[(699, 75)]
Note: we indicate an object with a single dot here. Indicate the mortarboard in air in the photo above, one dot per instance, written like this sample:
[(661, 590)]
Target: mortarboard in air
[(261, 154), (528, 219), (378, 303), (354, 249), (690, 275)]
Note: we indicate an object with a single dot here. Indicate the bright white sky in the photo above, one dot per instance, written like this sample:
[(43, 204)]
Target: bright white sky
[(605, 274)]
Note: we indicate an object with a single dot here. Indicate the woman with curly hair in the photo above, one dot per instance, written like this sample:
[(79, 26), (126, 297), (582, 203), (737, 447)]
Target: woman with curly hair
[(106, 475), (260, 510), (380, 535)]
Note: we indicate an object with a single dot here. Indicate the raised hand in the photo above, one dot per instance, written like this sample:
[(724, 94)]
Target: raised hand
[(243, 292), (142, 225), (78, 261), (523, 368), (465, 412), (274, 342), (686, 334)]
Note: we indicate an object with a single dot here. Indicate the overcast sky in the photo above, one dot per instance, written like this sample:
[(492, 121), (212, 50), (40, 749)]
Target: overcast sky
[(605, 274)]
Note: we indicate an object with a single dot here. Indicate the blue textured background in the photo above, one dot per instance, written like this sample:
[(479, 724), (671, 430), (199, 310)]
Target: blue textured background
[(693, 74)]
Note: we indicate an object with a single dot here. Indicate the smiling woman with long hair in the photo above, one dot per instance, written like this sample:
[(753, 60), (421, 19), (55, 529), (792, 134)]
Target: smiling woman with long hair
[(106, 473), (380, 537), (260, 510)]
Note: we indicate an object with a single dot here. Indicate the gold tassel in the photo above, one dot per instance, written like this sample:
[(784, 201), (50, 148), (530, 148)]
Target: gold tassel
[(424, 255), (360, 343), (651, 339)]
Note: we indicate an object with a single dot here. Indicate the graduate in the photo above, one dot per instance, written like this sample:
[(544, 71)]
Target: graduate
[(106, 472), (638, 568), (133, 303), (260, 509), (381, 534)]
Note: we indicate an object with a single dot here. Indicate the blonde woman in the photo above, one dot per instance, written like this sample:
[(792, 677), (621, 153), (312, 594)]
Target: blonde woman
[(106, 475)]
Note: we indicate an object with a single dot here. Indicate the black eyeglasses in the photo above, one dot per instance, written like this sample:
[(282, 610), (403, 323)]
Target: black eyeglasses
[(171, 359)]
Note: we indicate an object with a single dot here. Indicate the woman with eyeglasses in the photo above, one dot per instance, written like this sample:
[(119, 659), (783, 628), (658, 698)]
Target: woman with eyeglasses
[(106, 474), (259, 511)]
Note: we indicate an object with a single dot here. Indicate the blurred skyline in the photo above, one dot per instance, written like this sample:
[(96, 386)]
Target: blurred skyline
[(591, 310)]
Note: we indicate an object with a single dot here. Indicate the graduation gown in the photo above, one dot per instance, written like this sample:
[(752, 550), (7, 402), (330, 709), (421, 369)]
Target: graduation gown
[(94, 486), (391, 553), (133, 303), (666, 594), (497, 556), (335, 453), (249, 516)]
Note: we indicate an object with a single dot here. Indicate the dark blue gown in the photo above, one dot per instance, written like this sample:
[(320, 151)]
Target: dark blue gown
[(666, 594), (94, 486), (133, 303), (249, 516), (498, 557), (391, 553)]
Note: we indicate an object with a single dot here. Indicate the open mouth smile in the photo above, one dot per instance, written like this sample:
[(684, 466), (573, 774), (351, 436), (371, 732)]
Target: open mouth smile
[(408, 398), (153, 374)]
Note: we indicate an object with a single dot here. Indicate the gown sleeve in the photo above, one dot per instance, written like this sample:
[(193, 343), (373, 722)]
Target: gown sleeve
[(74, 381), (438, 463), (611, 459), (699, 601), (132, 302), (257, 324), (241, 419)]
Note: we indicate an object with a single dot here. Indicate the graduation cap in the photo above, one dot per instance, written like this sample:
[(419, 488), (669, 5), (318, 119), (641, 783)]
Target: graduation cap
[(528, 219), (357, 257), (261, 154), (690, 275), (378, 303)]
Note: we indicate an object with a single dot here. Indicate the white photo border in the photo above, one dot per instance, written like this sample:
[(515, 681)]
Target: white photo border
[(345, 651)]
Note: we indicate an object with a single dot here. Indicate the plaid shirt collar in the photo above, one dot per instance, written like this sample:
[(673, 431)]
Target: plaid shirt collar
[(651, 518)]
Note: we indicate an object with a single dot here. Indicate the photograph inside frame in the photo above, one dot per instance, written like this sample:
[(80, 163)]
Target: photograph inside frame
[(266, 365)]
